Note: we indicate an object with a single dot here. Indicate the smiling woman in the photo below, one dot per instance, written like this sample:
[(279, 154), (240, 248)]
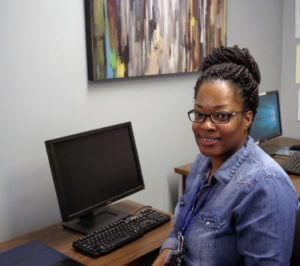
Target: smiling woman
[(239, 206), (220, 140)]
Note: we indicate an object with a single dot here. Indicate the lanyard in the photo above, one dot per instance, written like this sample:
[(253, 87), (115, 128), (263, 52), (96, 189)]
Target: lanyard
[(192, 213)]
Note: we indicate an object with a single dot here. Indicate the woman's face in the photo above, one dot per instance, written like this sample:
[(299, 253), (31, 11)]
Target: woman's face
[(220, 141)]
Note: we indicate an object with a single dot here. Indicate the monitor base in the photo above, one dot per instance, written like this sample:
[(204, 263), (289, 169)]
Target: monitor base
[(92, 222)]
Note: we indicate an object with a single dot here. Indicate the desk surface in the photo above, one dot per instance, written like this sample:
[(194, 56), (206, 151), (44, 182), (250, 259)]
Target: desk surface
[(278, 142), (61, 239)]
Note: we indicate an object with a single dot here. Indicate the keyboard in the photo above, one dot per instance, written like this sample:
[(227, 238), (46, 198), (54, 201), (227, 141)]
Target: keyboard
[(121, 232), (292, 164)]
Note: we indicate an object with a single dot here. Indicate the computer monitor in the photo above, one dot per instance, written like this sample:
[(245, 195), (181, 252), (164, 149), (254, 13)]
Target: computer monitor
[(267, 122), (91, 170)]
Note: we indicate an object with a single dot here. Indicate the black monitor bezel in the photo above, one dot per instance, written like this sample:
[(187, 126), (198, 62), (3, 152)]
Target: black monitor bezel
[(57, 178), (276, 92)]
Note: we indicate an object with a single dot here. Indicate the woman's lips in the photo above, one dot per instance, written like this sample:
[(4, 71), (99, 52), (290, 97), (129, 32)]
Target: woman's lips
[(206, 141)]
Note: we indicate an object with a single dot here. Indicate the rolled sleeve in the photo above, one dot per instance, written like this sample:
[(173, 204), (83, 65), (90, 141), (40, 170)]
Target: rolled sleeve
[(170, 243)]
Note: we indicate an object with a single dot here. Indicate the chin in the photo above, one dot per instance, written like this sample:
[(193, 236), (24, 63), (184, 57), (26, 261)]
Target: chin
[(210, 154), (209, 151)]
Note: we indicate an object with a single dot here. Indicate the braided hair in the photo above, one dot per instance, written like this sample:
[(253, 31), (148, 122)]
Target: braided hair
[(236, 66)]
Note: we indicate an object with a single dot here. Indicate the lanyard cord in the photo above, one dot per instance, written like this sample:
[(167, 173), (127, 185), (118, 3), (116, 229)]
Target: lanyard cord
[(192, 213)]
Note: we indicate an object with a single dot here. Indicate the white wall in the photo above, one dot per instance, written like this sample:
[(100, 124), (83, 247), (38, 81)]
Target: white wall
[(257, 25), (289, 88), (45, 94)]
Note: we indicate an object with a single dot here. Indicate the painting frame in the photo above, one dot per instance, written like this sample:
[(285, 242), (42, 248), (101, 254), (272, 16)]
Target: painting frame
[(137, 38)]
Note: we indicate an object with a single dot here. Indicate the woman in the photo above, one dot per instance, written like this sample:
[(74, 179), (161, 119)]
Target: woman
[(239, 206)]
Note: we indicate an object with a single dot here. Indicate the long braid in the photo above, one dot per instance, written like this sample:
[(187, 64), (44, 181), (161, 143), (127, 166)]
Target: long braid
[(237, 66)]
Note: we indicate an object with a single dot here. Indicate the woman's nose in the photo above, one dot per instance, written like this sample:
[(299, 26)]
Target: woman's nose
[(207, 124)]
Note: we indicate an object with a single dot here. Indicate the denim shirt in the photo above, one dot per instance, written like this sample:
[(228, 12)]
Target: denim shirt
[(248, 217)]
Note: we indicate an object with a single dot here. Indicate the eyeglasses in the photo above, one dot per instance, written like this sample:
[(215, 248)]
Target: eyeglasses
[(217, 117)]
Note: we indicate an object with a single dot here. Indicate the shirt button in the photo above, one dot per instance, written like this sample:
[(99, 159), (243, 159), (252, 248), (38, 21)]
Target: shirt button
[(207, 223)]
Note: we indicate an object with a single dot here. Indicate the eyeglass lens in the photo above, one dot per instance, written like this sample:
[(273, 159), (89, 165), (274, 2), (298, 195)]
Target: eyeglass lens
[(218, 117)]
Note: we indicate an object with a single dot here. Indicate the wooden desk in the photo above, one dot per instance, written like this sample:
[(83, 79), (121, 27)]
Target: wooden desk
[(278, 142), (61, 239)]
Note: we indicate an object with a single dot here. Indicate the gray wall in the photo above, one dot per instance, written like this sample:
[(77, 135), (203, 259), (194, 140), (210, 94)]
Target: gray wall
[(289, 88), (45, 94), (257, 25)]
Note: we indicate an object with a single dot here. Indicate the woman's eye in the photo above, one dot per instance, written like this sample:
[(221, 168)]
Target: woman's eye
[(198, 115), (221, 116)]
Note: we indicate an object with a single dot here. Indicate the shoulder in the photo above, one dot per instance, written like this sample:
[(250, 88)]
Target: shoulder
[(260, 170), (263, 184)]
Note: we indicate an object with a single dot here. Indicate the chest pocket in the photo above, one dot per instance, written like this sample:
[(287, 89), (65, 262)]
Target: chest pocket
[(204, 229)]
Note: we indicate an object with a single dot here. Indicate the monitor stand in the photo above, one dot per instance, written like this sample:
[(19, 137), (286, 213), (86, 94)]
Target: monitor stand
[(270, 149), (285, 151), (93, 221)]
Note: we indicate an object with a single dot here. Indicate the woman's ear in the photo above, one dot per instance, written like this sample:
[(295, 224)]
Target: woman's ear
[(248, 117)]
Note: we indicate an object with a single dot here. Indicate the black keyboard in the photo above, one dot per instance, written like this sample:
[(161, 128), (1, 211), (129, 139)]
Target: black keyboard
[(119, 233), (292, 164)]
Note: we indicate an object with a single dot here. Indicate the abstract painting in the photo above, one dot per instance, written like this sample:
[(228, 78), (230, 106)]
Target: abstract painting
[(133, 38)]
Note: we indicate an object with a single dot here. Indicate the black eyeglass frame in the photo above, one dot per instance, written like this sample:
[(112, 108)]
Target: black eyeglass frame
[(230, 114)]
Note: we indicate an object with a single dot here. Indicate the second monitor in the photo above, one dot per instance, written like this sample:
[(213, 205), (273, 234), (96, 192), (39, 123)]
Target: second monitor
[(267, 122)]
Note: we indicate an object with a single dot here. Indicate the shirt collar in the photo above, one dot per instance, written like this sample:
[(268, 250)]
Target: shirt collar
[(228, 169)]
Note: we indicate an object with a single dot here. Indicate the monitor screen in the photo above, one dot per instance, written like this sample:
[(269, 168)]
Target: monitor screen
[(91, 170), (267, 123)]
